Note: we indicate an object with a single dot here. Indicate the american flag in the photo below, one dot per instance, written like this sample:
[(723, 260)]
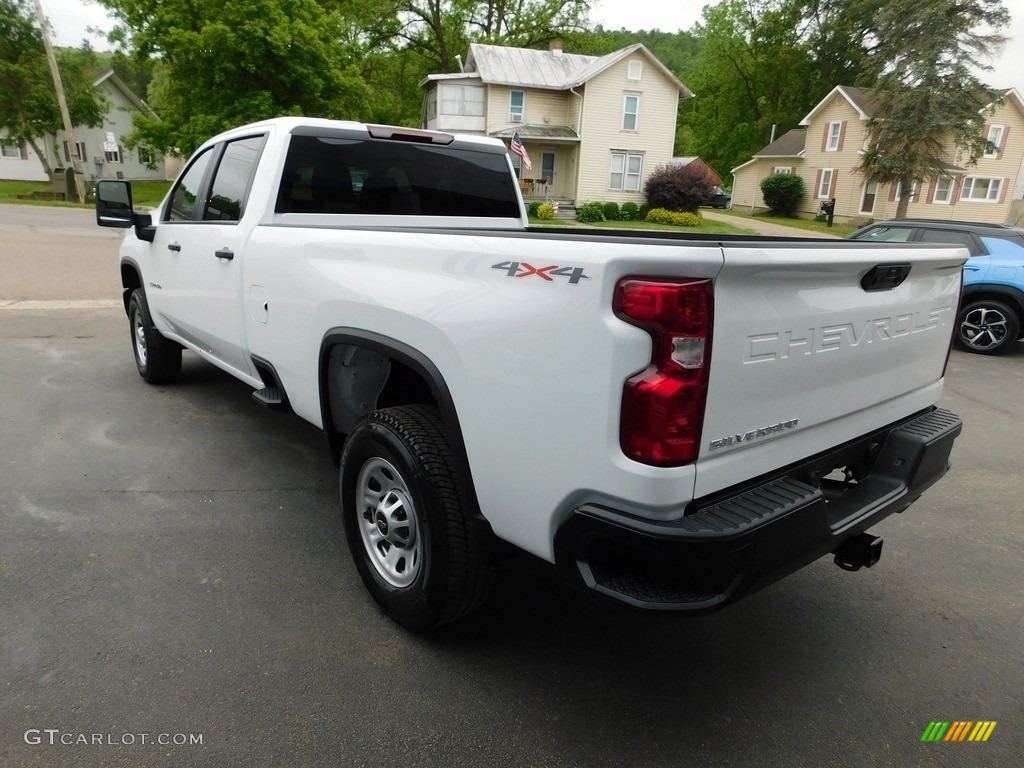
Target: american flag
[(519, 149)]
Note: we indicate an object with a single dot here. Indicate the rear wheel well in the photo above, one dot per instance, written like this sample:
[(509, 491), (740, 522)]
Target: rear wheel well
[(358, 380), (362, 372)]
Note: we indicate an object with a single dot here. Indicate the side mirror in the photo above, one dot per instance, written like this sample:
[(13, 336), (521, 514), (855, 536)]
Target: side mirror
[(114, 209), (114, 204)]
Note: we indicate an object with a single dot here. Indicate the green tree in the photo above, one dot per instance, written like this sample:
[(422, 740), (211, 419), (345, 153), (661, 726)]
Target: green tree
[(439, 30), (225, 64), (752, 71), (835, 32), (28, 103), (928, 95)]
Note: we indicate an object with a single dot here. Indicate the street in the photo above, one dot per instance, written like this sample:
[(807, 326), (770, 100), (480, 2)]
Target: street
[(172, 564)]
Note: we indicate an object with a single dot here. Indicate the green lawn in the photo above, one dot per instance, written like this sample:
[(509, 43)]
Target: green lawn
[(9, 191), (148, 194), (145, 194), (706, 227), (839, 230)]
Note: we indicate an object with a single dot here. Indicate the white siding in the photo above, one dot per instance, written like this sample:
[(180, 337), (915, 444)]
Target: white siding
[(118, 120), (603, 133)]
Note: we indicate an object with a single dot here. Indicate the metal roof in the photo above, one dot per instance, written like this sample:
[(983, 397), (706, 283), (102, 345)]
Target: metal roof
[(552, 70), (538, 132), (525, 66)]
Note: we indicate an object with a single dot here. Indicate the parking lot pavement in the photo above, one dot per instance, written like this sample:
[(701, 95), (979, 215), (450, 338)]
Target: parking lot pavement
[(171, 563)]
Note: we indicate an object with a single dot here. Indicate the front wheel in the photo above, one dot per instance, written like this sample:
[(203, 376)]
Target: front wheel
[(403, 509), (157, 358), (987, 327)]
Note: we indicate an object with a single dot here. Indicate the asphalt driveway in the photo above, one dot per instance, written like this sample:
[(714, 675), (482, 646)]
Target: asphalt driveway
[(172, 567)]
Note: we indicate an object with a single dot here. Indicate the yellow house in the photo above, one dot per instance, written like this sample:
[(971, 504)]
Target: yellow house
[(827, 150), (593, 127)]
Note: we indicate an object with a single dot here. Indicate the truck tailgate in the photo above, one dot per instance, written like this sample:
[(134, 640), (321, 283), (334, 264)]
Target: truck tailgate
[(814, 346)]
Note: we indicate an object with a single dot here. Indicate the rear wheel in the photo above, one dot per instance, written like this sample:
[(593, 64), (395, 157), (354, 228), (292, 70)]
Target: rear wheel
[(987, 327), (157, 358), (403, 508)]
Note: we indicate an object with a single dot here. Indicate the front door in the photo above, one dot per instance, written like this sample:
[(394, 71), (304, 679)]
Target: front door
[(198, 245), (547, 172)]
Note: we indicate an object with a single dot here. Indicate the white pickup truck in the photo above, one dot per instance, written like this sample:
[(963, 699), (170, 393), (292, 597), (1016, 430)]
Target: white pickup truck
[(674, 420)]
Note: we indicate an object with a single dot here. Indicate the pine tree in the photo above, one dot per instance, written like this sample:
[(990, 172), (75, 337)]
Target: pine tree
[(922, 64)]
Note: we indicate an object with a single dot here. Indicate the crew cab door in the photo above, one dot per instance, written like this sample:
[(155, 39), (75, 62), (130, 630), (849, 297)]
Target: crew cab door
[(196, 252)]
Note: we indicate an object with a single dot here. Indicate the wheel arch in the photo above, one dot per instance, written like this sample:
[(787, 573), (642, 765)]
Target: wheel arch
[(411, 378), (131, 278), (1006, 294)]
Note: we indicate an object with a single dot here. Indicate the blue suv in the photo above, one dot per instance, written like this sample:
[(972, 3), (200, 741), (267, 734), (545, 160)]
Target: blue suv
[(991, 316)]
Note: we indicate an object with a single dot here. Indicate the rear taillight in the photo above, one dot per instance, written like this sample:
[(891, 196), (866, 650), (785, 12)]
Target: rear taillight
[(663, 405)]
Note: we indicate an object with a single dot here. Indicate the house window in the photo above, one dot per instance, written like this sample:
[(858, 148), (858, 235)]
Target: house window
[(867, 201), (466, 100), (943, 190), (79, 155), (825, 183), (432, 104), (516, 106), (899, 190), (630, 111), (785, 170), (146, 156), (635, 71), (994, 138), (112, 156), (979, 189), (832, 143), (626, 168), (9, 148)]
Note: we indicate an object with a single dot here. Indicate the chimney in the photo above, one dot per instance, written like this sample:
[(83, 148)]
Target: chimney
[(555, 47)]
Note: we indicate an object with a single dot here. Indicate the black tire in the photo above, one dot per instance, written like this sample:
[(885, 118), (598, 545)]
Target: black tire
[(987, 327), (422, 564), (157, 358)]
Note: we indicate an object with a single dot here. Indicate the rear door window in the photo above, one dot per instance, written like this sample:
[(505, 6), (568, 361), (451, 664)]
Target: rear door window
[(952, 237), (233, 178)]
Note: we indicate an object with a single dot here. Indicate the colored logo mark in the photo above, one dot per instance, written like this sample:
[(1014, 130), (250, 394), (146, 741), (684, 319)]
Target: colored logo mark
[(959, 730)]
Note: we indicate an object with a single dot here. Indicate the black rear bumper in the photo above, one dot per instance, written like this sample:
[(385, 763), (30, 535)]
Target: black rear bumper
[(732, 545)]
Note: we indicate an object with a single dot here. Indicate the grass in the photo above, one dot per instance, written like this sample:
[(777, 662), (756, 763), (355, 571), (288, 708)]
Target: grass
[(145, 194), (706, 227), (148, 194), (839, 230), (9, 191)]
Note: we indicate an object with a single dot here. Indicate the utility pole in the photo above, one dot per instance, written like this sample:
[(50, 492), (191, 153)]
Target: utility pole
[(76, 162)]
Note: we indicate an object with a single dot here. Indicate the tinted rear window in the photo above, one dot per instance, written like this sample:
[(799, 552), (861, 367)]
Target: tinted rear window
[(951, 237), (336, 175)]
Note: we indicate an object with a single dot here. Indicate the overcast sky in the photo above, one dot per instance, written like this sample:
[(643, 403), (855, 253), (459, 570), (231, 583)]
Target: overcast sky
[(71, 18)]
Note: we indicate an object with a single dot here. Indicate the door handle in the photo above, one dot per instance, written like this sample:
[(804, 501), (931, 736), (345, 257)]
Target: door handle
[(225, 253), (173, 247)]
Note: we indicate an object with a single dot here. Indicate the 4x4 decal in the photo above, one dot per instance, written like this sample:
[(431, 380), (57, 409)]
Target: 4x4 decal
[(522, 269)]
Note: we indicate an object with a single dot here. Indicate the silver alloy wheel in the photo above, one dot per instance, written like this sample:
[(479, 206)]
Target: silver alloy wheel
[(140, 338), (387, 523), (983, 328)]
